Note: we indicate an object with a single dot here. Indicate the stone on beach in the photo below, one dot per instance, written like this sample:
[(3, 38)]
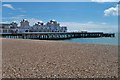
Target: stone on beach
[(53, 59)]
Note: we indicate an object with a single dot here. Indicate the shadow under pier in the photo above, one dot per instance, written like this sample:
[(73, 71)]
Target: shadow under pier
[(56, 35)]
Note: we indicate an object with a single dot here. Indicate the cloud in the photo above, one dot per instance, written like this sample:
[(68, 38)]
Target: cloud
[(33, 21), (90, 22), (46, 0), (112, 11), (72, 26), (8, 6), (104, 23), (60, 0), (21, 10), (104, 0), (18, 18), (102, 27)]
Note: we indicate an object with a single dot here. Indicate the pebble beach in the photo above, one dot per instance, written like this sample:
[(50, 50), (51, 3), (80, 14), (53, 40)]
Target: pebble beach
[(56, 59)]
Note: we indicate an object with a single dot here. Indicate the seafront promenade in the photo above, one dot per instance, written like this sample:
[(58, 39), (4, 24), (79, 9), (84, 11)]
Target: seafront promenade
[(56, 35)]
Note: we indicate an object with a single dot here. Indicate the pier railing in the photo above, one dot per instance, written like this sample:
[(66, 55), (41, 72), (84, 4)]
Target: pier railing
[(56, 35)]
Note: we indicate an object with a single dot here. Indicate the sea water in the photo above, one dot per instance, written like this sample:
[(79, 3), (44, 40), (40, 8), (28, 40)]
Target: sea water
[(101, 40)]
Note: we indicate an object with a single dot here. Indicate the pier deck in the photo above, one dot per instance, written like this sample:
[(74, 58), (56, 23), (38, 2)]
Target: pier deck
[(56, 35)]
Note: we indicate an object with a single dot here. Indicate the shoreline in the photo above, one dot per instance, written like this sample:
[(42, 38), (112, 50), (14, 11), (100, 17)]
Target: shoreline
[(63, 41), (39, 59)]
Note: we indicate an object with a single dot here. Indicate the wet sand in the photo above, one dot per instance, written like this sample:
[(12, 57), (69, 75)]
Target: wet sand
[(53, 59)]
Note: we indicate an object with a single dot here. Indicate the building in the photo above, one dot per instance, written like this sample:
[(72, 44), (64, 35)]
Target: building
[(51, 26), (38, 27), (24, 23), (8, 28), (14, 25)]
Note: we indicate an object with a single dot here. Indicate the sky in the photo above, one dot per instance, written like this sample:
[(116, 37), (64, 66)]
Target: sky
[(60, 0), (77, 16)]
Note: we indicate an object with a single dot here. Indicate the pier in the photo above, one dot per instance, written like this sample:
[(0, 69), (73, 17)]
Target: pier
[(56, 35), (51, 30)]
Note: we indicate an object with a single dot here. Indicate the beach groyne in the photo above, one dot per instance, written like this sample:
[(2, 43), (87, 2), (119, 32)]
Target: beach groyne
[(56, 35)]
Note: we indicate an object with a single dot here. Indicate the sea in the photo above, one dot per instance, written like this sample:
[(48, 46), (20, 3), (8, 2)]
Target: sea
[(101, 40)]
